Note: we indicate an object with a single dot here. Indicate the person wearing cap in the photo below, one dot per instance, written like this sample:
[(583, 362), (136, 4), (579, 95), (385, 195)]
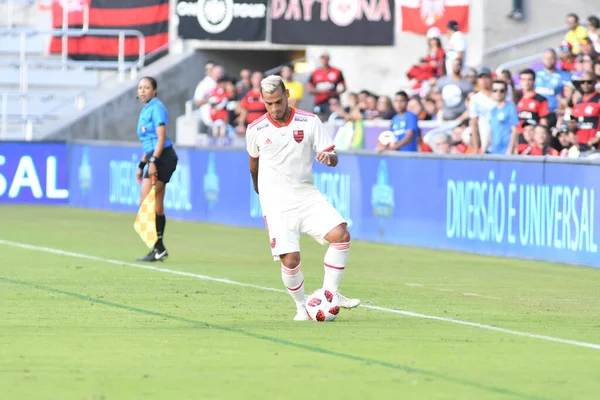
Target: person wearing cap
[(567, 58), (566, 139), (525, 146), (480, 106), (457, 45), (326, 82), (576, 32), (550, 83)]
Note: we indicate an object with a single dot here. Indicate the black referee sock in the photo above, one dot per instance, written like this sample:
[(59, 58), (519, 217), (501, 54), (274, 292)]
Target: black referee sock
[(161, 221)]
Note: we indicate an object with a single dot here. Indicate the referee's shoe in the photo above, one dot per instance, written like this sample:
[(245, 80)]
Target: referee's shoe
[(155, 255)]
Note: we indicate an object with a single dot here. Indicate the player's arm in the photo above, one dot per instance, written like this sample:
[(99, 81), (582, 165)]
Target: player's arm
[(254, 172), (323, 145), (329, 158), (474, 125), (408, 137), (254, 153)]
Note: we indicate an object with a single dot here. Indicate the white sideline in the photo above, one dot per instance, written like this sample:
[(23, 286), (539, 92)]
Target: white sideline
[(259, 287)]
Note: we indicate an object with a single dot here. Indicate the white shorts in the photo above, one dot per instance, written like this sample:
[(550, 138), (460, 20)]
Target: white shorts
[(316, 218)]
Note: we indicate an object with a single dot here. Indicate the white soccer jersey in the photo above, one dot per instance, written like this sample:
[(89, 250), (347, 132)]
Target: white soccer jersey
[(286, 154)]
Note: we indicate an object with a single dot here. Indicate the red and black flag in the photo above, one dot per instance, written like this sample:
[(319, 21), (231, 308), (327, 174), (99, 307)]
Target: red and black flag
[(150, 17)]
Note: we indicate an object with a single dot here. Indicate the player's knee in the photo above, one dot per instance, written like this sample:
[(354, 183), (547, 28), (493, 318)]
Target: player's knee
[(339, 234), (290, 260)]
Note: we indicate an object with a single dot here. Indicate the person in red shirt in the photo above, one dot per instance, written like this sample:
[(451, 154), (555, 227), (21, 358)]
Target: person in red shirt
[(532, 106), (528, 137), (567, 58), (252, 106), (218, 100), (326, 82), (586, 112), (541, 146)]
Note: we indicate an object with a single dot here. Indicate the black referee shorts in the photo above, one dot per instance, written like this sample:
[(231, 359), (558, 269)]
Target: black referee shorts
[(165, 165)]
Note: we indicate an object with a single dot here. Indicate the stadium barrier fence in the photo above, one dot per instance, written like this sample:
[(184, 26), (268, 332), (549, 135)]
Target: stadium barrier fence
[(525, 207)]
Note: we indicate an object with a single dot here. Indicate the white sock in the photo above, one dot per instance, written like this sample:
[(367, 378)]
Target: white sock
[(335, 262), (294, 283)]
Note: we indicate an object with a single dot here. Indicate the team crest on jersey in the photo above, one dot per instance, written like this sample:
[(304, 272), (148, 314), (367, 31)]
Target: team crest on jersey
[(298, 136)]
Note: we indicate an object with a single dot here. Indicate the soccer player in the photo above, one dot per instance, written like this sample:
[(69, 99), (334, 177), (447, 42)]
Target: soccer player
[(158, 154), (281, 145)]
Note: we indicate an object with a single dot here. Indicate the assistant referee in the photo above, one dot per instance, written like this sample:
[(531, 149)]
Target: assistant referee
[(159, 155)]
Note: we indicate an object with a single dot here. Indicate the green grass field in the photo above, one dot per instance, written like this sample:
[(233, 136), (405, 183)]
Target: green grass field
[(79, 319)]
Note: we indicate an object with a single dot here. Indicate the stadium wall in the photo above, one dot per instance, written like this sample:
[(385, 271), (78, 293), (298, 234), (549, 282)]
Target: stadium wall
[(540, 208)]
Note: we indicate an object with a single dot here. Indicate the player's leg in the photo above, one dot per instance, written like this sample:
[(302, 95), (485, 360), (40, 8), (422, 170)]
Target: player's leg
[(325, 224), (284, 238), (166, 166), (335, 261)]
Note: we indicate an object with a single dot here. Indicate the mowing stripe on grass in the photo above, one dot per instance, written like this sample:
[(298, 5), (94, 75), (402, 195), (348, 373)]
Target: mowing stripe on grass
[(284, 342), (259, 287)]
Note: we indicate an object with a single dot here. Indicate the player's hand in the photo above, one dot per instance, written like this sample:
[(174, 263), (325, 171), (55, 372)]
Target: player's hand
[(323, 158), (138, 175), (152, 171)]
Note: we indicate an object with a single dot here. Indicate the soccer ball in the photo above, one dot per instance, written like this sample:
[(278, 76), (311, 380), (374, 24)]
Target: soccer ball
[(387, 138), (322, 305)]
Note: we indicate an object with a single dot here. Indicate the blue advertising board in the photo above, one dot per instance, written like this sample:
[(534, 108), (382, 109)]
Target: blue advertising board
[(33, 173), (507, 208)]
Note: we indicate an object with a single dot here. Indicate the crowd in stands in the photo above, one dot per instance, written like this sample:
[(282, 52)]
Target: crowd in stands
[(548, 109)]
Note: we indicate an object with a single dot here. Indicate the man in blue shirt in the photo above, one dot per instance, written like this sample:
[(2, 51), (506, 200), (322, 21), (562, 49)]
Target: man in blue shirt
[(550, 82), (503, 120), (404, 126)]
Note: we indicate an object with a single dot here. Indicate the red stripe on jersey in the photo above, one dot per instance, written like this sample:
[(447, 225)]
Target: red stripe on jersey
[(300, 112), (329, 148)]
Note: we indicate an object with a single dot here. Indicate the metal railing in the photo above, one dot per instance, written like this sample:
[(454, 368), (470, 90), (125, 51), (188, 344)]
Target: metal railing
[(12, 7), (525, 40), (121, 65)]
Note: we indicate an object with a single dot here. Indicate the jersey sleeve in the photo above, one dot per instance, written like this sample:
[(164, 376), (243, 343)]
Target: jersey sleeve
[(160, 116), (251, 143), (322, 140), (544, 111)]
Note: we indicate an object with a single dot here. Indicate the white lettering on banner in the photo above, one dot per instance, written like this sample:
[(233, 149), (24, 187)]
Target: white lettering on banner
[(340, 12), (52, 192), (557, 216), (336, 188), (215, 16), (26, 176)]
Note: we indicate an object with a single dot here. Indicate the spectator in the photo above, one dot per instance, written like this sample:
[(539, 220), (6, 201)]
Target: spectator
[(503, 120), (594, 31), (371, 111), (384, 107), (541, 145), (532, 106), (511, 94), (203, 92), (430, 66), (252, 106), (243, 86), (567, 58), (480, 106), (404, 126), (587, 112), (326, 82), (431, 110), (415, 107), (566, 139), (454, 91), (471, 76), (457, 46), (461, 139), (218, 100), (527, 143), (443, 143), (295, 88), (550, 82), (585, 63), (587, 48), (576, 32)]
